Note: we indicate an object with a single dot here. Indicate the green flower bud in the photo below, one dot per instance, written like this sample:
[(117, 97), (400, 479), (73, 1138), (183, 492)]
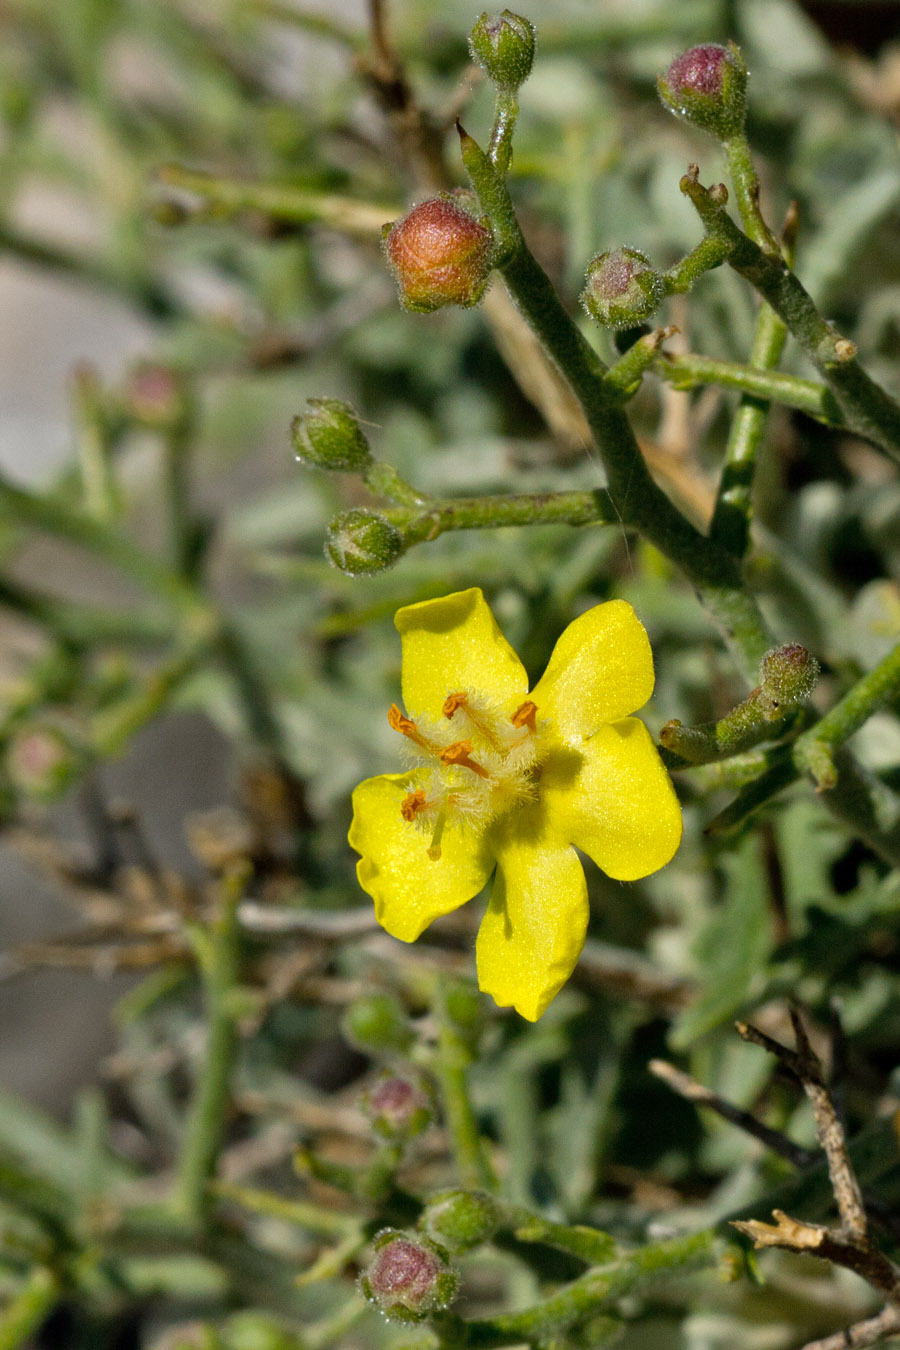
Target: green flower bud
[(398, 1105), (460, 1220), (440, 255), (707, 86), (408, 1278), (327, 435), (623, 288), (503, 45), (361, 542), (464, 1009), (788, 675), (376, 1023)]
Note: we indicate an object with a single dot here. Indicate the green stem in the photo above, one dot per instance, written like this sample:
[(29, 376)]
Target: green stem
[(637, 499), (733, 511), (217, 948), (589, 1244), (453, 1058), (814, 751), (745, 182), (487, 513), (297, 205), (99, 489), (506, 112), (176, 483), (690, 371), (866, 408), (313, 1218), (591, 1293), (383, 480), (624, 377), (25, 1312), (708, 255)]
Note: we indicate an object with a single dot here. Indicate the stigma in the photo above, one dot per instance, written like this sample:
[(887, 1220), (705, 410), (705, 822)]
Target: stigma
[(471, 765)]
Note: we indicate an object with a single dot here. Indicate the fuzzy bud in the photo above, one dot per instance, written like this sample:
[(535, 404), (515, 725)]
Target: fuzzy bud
[(707, 86), (40, 762), (408, 1278), (327, 435), (398, 1105), (503, 45), (156, 395), (440, 255), (361, 542), (623, 288), (460, 1220), (376, 1023), (788, 676)]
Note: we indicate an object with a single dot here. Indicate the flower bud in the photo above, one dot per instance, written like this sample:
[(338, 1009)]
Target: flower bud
[(623, 288), (440, 255), (459, 1220), (707, 86), (503, 45), (376, 1023), (398, 1105), (788, 676), (328, 436), (361, 542), (40, 762), (156, 395), (408, 1278)]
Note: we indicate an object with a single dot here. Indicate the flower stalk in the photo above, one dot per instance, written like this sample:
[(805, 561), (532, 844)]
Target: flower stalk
[(867, 408), (637, 499), (217, 950)]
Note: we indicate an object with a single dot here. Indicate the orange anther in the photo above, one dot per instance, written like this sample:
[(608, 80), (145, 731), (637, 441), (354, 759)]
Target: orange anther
[(398, 721), (525, 715), (413, 804), (459, 754), (453, 702)]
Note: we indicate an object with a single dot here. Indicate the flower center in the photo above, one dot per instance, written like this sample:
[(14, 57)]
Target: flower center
[(479, 761)]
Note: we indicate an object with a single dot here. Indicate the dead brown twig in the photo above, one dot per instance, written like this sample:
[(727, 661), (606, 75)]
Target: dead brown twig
[(850, 1243)]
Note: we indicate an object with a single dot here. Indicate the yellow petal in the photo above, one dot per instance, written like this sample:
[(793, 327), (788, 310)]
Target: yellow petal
[(601, 669), (409, 888), (619, 807), (452, 644), (533, 931)]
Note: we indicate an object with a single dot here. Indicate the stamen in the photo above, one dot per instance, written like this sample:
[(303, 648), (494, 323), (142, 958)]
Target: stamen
[(434, 848), (398, 721), (413, 804), (525, 716), (459, 754), (481, 721)]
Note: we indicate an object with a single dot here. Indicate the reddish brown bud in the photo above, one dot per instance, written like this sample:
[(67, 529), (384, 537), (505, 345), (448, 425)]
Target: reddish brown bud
[(408, 1278), (622, 289), (707, 85), (440, 255), (398, 1106)]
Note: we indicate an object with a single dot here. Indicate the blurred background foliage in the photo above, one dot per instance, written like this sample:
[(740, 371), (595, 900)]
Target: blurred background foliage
[(187, 458)]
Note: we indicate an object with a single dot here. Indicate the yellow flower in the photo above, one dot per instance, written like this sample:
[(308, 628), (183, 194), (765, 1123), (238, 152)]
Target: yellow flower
[(510, 780)]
